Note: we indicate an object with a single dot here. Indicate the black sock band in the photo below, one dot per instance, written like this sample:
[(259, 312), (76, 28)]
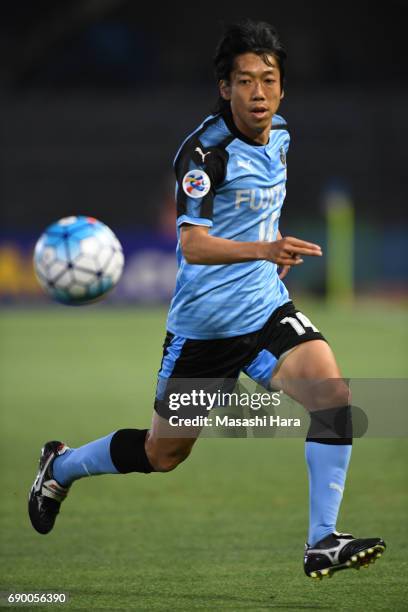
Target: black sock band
[(127, 451), (331, 426)]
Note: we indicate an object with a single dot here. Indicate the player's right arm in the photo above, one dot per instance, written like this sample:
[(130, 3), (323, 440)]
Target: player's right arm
[(199, 170), (199, 247)]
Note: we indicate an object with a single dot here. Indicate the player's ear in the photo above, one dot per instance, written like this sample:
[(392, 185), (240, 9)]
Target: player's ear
[(282, 94), (225, 89)]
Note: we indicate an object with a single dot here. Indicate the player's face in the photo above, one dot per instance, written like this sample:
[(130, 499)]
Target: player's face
[(254, 91)]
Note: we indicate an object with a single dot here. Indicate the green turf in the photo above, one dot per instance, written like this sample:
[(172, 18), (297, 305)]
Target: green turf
[(223, 531)]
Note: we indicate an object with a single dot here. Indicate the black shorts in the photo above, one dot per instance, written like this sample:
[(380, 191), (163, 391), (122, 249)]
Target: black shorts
[(211, 363)]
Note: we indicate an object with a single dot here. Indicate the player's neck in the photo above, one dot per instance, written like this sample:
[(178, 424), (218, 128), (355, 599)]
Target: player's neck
[(260, 138), (244, 133)]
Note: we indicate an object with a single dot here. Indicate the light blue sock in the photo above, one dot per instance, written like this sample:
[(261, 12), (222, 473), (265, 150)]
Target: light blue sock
[(327, 466), (88, 460)]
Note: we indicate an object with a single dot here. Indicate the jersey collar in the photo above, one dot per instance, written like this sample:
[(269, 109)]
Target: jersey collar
[(229, 121)]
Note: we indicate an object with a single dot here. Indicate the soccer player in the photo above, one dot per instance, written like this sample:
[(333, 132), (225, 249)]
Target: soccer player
[(231, 311)]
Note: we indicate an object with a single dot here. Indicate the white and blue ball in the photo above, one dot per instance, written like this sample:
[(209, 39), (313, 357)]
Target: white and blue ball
[(78, 260)]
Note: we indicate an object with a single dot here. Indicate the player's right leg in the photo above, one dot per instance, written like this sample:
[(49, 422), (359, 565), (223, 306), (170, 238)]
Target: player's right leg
[(124, 451), (185, 364), (164, 451), (120, 452)]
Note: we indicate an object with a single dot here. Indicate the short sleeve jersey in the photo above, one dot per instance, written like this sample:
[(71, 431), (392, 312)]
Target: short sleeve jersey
[(235, 187)]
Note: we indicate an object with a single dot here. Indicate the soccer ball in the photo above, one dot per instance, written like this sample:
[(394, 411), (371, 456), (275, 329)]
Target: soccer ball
[(77, 260)]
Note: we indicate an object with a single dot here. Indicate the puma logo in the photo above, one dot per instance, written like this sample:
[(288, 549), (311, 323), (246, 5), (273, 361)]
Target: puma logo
[(247, 164), (336, 487), (203, 155)]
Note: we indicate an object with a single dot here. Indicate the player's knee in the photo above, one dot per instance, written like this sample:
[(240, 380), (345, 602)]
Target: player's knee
[(332, 394), (168, 461), (339, 394)]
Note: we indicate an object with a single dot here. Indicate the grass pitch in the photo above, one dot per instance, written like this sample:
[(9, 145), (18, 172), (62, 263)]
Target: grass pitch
[(223, 531)]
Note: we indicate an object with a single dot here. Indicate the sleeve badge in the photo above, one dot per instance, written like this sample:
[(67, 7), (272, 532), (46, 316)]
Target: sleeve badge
[(196, 183)]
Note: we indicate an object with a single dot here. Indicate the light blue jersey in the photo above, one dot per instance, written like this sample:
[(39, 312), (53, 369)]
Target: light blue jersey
[(236, 188)]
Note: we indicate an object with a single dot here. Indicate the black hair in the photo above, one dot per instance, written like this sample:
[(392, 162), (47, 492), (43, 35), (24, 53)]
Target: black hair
[(246, 36)]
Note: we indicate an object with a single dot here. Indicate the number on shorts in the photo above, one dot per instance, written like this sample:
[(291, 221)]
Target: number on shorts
[(300, 323)]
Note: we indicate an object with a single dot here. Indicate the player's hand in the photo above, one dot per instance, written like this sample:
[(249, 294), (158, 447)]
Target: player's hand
[(289, 250), (283, 271)]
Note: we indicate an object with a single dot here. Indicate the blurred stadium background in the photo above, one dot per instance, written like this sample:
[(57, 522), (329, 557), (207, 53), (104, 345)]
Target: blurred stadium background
[(95, 98)]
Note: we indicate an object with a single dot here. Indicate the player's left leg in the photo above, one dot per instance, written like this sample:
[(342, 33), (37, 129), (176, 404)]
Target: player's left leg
[(309, 374)]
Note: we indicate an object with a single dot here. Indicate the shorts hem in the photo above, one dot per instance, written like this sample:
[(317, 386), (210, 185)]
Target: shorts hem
[(298, 341)]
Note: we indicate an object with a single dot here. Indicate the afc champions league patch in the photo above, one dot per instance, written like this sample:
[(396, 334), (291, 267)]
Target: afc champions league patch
[(196, 183)]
